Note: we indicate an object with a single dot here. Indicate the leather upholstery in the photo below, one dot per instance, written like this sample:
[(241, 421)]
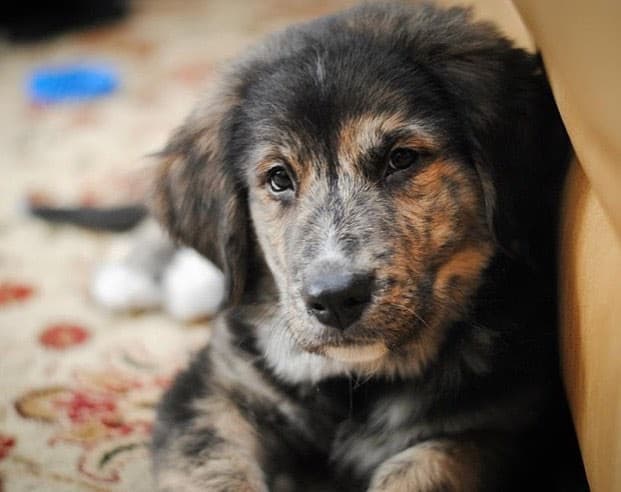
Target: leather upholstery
[(579, 42)]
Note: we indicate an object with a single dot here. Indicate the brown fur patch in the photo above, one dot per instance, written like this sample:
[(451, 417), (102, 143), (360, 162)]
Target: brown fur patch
[(428, 467), (441, 246), (459, 276), (233, 464), (437, 212), (360, 134)]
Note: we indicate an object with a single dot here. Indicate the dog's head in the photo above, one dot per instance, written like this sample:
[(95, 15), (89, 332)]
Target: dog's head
[(376, 161)]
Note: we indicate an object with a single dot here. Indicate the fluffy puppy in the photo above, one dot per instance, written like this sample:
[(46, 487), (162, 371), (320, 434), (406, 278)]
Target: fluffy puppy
[(379, 188)]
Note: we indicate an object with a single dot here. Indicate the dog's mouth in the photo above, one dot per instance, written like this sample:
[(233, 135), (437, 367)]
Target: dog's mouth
[(355, 353)]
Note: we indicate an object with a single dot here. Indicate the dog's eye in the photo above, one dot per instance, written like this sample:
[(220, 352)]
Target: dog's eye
[(402, 158), (279, 180)]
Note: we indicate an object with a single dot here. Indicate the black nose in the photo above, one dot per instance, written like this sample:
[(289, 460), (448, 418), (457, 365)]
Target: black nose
[(337, 297)]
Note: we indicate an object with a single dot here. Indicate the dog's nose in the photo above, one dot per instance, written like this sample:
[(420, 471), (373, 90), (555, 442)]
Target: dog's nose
[(338, 297)]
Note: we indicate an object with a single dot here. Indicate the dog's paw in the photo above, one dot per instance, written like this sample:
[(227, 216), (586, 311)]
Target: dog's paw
[(197, 482), (426, 467)]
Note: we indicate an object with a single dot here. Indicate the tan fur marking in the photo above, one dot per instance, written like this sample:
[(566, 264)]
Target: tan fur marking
[(360, 134), (465, 265), (295, 154), (430, 466), (270, 221), (213, 478), (431, 175), (439, 224), (225, 417), (270, 155), (232, 465)]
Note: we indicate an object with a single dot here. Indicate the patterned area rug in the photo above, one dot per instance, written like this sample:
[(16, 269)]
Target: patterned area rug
[(78, 385)]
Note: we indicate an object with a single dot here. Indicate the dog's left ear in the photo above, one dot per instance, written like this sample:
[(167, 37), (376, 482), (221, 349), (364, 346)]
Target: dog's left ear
[(512, 128), (197, 195)]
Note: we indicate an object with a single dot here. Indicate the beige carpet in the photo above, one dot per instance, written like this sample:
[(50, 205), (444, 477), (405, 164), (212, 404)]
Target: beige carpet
[(78, 384)]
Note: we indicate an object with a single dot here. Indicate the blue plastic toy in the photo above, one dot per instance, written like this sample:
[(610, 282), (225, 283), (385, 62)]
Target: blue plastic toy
[(72, 82)]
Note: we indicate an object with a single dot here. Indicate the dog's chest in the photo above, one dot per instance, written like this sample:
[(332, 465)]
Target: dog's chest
[(358, 425), (340, 406)]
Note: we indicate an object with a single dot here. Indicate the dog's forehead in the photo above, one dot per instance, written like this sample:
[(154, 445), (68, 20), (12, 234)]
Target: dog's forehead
[(311, 113)]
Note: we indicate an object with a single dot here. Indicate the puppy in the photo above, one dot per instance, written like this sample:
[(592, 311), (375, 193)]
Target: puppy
[(379, 188)]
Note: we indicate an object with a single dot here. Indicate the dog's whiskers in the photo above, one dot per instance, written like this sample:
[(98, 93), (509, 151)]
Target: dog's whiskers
[(410, 311)]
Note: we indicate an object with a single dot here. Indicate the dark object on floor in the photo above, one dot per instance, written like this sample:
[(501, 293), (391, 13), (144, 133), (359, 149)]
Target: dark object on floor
[(33, 21), (116, 219)]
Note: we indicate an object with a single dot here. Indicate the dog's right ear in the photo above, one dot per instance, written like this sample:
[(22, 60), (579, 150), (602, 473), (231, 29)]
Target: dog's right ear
[(196, 195)]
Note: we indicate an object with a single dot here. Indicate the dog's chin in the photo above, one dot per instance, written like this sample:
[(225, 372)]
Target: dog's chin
[(353, 354), (352, 349)]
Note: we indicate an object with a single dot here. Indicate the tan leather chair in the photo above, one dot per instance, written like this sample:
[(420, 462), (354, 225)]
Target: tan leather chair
[(580, 42)]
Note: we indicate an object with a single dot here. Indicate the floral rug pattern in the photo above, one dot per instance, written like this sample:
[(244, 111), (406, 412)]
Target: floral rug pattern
[(83, 421)]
